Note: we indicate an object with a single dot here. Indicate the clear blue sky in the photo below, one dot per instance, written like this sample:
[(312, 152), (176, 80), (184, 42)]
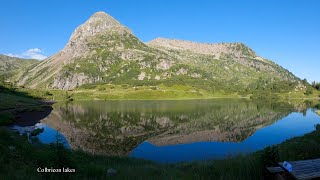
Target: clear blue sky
[(285, 31)]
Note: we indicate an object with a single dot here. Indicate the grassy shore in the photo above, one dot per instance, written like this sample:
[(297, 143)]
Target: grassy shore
[(21, 159), (159, 92), (15, 104), (126, 92)]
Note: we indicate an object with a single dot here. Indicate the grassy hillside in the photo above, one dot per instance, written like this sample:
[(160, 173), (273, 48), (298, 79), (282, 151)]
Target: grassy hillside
[(12, 68), (14, 104)]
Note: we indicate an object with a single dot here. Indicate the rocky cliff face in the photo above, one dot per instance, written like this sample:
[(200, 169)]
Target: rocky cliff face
[(238, 50), (104, 51)]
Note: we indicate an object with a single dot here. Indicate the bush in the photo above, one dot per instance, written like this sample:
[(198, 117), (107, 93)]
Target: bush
[(101, 88), (61, 156), (308, 91), (47, 93), (36, 132), (68, 97), (125, 86), (316, 85), (6, 118), (153, 88), (270, 156)]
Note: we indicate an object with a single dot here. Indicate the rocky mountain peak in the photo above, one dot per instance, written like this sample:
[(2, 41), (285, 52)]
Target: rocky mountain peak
[(103, 16), (98, 23), (101, 21)]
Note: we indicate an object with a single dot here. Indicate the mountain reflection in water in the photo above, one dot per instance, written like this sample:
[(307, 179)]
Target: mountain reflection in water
[(119, 127)]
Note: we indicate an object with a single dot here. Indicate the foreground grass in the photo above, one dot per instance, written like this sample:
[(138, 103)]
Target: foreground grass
[(301, 148), (19, 159)]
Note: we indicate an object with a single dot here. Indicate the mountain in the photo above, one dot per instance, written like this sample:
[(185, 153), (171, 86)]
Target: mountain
[(104, 51), (12, 68)]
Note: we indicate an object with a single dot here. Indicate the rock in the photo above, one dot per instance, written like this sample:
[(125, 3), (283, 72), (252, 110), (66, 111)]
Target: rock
[(142, 76), (157, 77), (217, 49), (111, 172), (164, 64)]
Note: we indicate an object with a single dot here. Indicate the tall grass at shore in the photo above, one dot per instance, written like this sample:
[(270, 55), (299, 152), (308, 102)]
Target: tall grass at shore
[(20, 159)]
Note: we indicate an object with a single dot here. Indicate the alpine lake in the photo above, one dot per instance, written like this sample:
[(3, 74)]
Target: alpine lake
[(170, 131)]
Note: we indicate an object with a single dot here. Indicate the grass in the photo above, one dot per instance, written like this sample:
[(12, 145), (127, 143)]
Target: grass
[(15, 102), (150, 92), (128, 92), (21, 159), (107, 92), (301, 148)]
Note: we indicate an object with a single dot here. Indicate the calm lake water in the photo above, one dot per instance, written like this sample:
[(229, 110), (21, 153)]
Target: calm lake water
[(175, 131)]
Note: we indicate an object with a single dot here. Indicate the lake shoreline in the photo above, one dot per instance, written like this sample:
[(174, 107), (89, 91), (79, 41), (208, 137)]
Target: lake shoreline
[(30, 118)]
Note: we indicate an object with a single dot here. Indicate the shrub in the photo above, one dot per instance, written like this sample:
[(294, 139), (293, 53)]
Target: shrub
[(125, 86), (101, 88), (6, 118), (153, 88), (308, 91), (68, 97), (36, 132), (270, 156), (61, 156), (47, 93)]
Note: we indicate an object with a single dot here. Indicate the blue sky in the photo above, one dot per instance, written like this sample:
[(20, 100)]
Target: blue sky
[(286, 31)]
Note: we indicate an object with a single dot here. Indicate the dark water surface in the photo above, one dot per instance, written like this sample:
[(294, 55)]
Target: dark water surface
[(175, 131)]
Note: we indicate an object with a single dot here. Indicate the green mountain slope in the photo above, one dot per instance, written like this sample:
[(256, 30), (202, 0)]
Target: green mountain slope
[(104, 51), (11, 68)]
